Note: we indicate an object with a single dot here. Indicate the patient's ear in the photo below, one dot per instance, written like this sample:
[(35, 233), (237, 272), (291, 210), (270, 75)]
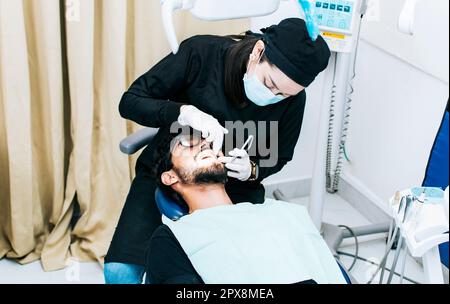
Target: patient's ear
[(169, 178)]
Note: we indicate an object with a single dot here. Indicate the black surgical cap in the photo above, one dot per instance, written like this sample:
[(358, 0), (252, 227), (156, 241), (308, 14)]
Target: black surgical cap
[(290, 48)]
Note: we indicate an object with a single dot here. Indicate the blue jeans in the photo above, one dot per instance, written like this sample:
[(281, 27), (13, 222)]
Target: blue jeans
[(120, 273)]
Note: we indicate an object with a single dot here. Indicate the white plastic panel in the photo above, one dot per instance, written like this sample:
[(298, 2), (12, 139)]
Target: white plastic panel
[(336, 15), (233, 9)]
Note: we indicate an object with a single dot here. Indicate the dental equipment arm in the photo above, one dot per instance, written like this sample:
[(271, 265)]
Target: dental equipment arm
[(168, 7), (215, 10)]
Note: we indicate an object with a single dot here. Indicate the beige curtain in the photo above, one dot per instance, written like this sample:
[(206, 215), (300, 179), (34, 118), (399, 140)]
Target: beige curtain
[(63, 68)]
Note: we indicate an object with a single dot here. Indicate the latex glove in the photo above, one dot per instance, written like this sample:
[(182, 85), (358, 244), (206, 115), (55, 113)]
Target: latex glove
[(239, 168), (205, 123)]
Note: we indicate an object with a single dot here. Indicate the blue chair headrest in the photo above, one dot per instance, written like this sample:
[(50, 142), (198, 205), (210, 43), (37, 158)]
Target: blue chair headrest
[(168, 207)]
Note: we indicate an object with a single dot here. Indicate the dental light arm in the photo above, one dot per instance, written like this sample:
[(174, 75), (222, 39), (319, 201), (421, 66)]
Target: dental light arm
[(215, 10), (167, 8)]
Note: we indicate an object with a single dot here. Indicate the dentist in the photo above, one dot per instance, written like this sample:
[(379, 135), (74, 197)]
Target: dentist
[(212, 80)]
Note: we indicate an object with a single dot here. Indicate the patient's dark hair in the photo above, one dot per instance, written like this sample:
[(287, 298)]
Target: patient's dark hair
[(236, 62), (162, 158)]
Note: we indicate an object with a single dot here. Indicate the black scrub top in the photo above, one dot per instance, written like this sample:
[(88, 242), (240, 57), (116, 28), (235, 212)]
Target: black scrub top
[(195, 76)]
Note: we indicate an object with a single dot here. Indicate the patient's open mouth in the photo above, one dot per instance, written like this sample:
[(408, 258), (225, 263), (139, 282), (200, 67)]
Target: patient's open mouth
[(206, 154)]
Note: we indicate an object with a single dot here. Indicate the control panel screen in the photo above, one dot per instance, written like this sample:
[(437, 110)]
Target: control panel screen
[(335, 14)]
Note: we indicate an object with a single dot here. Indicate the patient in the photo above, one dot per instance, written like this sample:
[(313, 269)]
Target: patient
[(219, 242)]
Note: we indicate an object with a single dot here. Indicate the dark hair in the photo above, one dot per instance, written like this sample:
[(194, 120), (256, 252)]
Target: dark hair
[(162, 163), (236, 62)]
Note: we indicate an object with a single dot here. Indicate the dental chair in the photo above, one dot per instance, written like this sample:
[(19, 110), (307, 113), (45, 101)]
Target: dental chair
[(166, 205)]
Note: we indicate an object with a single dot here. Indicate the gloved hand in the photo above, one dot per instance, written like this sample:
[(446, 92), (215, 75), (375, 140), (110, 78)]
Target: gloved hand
[(238, 164), (205, 123)]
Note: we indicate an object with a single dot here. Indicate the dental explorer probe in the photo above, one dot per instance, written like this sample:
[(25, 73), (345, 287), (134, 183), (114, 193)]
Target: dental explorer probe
[(248, 143)]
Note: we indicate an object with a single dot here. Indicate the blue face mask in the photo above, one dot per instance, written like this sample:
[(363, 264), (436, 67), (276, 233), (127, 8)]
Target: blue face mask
[(258, 93)]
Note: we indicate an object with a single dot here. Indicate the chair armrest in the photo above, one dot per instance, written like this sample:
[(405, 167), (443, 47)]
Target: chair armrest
[(137, 140)]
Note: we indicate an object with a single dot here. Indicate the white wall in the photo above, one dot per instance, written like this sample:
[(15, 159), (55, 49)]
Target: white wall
[(400, 93), (427, 49)]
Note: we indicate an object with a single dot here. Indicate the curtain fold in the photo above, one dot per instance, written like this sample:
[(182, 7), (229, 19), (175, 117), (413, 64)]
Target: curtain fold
[(61, 80), (16, 171)]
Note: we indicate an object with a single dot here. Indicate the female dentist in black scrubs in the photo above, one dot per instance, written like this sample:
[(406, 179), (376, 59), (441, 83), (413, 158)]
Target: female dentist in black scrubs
[(210, 81)]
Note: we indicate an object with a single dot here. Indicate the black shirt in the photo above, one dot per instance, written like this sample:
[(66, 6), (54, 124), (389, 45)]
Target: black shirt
[(166, 261), (195, 76)]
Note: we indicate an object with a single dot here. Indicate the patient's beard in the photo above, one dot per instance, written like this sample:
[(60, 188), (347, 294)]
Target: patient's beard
[(214, 174)]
